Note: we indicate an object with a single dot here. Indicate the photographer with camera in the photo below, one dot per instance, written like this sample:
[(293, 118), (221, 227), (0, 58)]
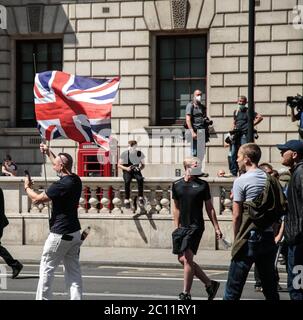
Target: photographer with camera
[(132, 162), (239, 132), (197, 124), (296, 103)]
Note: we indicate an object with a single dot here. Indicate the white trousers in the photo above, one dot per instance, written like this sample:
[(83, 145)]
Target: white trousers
[(55, 251)]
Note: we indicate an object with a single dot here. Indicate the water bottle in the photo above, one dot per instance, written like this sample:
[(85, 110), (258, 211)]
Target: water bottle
[(252, 243), (226, 244), (85, 233)]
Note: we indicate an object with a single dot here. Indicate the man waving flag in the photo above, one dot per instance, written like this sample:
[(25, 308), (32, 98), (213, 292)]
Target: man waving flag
[(74, 107)]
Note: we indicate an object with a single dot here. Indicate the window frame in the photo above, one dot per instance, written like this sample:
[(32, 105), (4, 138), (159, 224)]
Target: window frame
[(31, 123), (203, 37)]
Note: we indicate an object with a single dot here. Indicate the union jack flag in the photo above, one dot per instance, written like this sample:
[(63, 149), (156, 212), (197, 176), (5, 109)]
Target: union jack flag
[(74, 107)]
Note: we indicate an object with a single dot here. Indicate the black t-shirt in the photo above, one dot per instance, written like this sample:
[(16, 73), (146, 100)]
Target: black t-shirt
[(241, 119), (190, 196), (65, 195), (129, 158)]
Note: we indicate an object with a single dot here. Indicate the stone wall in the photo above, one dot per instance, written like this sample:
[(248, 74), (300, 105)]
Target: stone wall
[(109, 38), (111, 231)]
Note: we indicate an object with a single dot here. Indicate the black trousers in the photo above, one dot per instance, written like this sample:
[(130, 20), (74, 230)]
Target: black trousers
[(128, 176), (10, 261)]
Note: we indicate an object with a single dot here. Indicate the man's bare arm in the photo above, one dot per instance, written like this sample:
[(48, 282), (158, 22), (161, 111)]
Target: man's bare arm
[(37, 198), (46, 150), (258, 119), (176, 213), (213, 217)]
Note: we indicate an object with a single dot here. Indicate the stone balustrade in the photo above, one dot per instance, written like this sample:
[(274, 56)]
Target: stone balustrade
[(102, 207), (106, 195)]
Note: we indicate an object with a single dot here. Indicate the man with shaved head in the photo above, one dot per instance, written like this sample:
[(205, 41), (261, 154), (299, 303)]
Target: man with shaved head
[(64, 241)]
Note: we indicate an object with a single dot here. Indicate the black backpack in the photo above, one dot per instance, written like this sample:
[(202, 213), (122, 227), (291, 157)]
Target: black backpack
[(269, 206)]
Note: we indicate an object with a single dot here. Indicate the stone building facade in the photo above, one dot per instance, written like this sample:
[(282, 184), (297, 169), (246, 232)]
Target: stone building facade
[(121, 38)]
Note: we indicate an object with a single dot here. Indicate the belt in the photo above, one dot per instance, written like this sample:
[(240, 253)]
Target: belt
[(67, 237)]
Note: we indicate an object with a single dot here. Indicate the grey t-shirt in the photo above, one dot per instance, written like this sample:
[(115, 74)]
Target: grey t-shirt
[(249, 185), (197, 113)]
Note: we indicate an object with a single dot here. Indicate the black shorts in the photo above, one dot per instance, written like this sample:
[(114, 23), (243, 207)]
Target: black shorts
[(186, 238)]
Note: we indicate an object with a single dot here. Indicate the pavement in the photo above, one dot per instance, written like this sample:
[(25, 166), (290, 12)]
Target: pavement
[(148, 257), (127, 256)]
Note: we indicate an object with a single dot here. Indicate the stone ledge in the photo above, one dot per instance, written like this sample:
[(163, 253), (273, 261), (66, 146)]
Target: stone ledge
[(19, 131)]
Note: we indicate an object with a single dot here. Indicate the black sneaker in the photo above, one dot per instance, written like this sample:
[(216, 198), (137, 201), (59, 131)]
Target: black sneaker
[(212, 289), (16, 269), (184, 296)]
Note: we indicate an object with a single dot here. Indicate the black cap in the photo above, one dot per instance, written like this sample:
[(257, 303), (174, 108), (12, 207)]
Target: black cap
[(293, 145)]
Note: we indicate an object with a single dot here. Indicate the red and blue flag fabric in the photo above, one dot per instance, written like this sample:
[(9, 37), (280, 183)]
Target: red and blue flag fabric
[(74, 107)]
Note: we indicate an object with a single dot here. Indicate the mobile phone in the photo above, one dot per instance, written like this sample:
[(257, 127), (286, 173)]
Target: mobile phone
[(26, 172)]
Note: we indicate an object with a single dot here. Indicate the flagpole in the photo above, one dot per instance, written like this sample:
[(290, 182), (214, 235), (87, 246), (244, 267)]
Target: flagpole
[(44, 142)]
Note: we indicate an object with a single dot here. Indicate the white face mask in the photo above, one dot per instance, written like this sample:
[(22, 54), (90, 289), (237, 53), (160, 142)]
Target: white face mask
[(133, 148), (198, 98)]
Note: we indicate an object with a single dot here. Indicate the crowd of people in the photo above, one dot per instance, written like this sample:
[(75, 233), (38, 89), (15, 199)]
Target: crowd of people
[(267, 216)]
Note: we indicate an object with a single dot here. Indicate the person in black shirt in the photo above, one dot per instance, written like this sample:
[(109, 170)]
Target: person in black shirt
[(132, 163), (240, 128), (292, 157), (64, 240), (189, 193)]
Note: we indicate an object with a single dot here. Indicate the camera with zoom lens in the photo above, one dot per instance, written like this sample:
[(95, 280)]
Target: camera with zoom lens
[(295, 102), (135, 168), (236, 133), (207, 122)]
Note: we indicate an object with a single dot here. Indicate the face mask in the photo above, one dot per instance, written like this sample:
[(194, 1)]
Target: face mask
[(133, 148), (195, 171), (242, 107), (198, 98)]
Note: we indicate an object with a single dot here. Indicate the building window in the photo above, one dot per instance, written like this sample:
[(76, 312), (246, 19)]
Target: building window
[(40, 54), (181, 69)]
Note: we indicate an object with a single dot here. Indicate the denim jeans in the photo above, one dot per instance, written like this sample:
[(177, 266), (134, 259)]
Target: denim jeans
[(295, 257), (198, 145), (55, 251), (234, 153), (264, 259)]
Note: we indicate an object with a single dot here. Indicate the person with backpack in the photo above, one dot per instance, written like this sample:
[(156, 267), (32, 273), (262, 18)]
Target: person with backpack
[(258, 202), (292, 157), (197, 124), (239, 132)]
